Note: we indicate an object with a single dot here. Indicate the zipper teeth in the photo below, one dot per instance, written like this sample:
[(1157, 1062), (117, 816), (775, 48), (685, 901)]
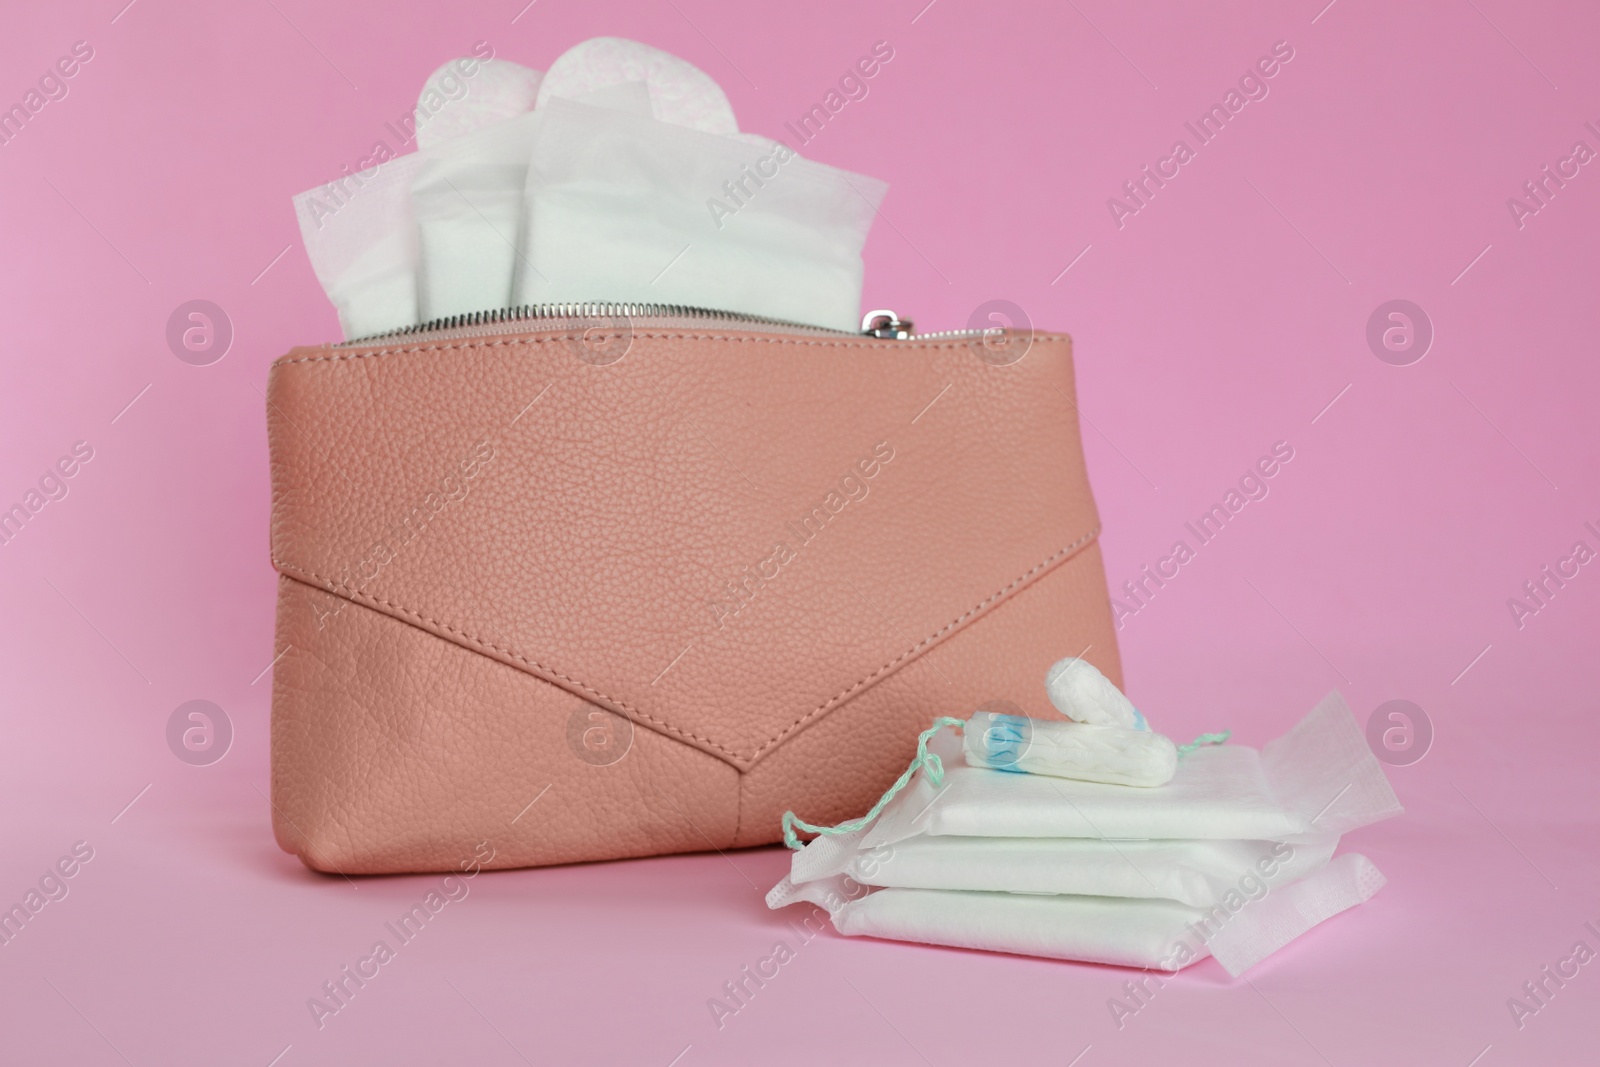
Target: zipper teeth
[(555, 312), (948, 333), (547, 312)]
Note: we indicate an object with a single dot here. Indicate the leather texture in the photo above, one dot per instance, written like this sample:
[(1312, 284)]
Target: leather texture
[(587, 610)]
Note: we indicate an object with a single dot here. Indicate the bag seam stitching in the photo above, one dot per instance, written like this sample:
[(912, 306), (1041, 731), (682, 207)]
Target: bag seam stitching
[(563, 337), (339, 589)]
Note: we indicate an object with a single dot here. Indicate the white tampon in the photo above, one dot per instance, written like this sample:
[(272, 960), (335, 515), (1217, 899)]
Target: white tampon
[(1081, 693), (1109, 754)]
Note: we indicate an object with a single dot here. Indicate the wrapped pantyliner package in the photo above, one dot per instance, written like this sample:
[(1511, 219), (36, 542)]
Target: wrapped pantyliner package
[(626, 209), (1156, 934), (1319, 778), (1197, 873)]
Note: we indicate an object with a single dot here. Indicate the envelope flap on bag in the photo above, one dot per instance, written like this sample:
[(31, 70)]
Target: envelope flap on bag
[(723, 535)]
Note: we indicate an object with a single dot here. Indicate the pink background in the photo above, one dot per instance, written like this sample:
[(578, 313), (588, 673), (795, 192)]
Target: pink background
[(1223, 317)]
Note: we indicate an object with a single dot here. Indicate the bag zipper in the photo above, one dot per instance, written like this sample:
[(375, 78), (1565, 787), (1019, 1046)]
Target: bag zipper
[(881, 322)]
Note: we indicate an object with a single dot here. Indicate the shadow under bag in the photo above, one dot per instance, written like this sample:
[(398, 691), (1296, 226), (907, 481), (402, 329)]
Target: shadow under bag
[(586, 588)]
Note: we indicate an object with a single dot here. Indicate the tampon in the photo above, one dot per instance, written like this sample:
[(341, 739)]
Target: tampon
[(1089, 753), (1081, 693)]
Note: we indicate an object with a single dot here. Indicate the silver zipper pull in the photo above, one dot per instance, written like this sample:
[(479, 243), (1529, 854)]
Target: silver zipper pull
[(886, 324)]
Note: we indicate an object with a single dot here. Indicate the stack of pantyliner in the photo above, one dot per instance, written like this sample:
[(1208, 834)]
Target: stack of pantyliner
[(1098, 840)]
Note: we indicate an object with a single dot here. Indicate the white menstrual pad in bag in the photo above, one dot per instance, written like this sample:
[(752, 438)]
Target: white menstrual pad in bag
[(496, 90), (360, 231), (622, 209), (568, 203), (362, 243), (680, 92), (467, 199)]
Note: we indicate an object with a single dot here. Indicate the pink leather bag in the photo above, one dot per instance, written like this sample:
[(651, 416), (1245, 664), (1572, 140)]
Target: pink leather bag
[(639, 580)]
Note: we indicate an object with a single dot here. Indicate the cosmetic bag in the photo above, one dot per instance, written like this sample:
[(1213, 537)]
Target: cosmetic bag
[(585, 583)]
